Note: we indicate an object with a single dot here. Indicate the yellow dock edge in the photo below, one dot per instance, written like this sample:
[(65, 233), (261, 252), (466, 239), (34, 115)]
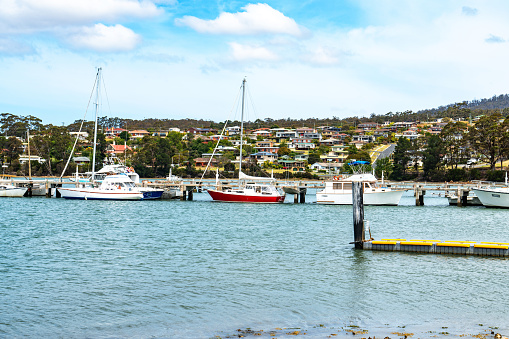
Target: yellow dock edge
[(383, 239), (453, 244), (425, 240), (502, 247), (384, 242), (494, 243), (416, 243)]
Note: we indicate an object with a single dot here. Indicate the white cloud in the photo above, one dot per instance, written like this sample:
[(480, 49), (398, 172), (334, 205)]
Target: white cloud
[(103, 38), (323, 56), (246, 52), (27, 16), (12, 47), (256, 19)]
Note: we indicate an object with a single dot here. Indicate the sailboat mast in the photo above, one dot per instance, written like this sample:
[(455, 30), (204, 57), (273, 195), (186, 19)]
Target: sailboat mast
[(95, 125), (29, 157), (242, 125)]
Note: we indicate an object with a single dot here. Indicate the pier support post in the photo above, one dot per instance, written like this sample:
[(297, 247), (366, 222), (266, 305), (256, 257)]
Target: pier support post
[(190, 195), (183, 195), (295, 198), (358, 214), (459, 201), (464, 196), (303, 196), (419, 195)]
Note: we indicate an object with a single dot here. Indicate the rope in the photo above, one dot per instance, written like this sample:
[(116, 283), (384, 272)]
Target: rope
[(81, 127)]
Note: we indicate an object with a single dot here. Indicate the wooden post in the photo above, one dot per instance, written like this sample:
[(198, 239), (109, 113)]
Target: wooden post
[(459, 193), (303, 196), (190, 195), (421, 197), (358, 214), (416, 193), (464, 197), (295, 198), (183, 196)]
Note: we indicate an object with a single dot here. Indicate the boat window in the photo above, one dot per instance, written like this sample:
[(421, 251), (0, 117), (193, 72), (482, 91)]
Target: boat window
[(336, 186), (347, 186), (265, 189)]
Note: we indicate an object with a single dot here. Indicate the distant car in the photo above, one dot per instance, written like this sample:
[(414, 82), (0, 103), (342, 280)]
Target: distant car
[(471, 161)]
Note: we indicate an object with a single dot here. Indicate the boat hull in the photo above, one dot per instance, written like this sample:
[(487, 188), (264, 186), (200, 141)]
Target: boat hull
[(386, 198), (152, 194), (247, 198), (94, 194), (12, 191), (493, 198)]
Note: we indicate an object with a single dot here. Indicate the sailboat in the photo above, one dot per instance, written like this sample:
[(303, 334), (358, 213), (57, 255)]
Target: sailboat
[(250, 189), (112, 187)]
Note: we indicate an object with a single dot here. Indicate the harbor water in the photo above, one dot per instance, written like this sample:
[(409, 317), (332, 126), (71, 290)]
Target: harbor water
[(200, 269)]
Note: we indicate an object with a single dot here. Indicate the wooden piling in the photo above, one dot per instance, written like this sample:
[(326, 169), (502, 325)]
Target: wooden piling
[(358, 213), (190, 195), (295, 198), (303, 196)]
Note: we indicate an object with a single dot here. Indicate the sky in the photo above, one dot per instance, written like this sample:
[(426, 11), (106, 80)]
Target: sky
[(170, 59)]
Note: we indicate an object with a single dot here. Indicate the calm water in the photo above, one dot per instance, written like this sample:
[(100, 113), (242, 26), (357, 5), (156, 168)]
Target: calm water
[(172, 269)]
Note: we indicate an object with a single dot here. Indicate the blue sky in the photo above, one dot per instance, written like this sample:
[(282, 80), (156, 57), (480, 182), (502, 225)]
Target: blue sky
[(172, 59)]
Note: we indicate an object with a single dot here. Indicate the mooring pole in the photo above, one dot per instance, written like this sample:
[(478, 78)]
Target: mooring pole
[(358, 213)]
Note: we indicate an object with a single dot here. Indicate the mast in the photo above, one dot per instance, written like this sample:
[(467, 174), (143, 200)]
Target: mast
[(29, 157), (242, 125), (95, 126)]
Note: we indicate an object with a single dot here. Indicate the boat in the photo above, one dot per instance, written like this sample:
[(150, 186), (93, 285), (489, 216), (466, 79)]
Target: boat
[(338, 191), (493, 196), (112, 186), (12, 191), (249, 189), (472, 200)]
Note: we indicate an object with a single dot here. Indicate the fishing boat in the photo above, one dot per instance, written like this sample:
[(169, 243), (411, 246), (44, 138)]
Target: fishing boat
[(113, 186), (338, 191), (250, 189), (11, 191)]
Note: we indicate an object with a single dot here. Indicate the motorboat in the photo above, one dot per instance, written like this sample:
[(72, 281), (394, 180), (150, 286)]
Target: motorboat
[(113, 187), (493, 196), (7, 190), (338, 191)]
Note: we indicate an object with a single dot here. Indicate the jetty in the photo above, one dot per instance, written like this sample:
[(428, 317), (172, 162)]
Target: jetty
[(452, 247)]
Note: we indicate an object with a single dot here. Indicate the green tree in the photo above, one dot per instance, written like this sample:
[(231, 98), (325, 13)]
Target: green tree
[(486, 138), (401, 158), (454, 140), (432, 156)]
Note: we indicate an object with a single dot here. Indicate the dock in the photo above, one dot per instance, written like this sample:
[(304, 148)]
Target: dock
[(491, 249), (425, 246)]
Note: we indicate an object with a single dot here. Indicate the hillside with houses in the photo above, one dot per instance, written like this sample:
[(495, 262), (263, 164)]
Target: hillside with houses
[(439, 148)]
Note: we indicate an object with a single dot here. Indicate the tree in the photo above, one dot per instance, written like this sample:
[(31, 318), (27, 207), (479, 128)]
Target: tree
[(401, 159), (454, 140), (432, 155), (486, 138)]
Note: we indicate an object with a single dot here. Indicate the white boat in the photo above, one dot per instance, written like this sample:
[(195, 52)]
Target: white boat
[(250, 189), (7, 190), (113, 187), (339, 191), (493, 196)]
